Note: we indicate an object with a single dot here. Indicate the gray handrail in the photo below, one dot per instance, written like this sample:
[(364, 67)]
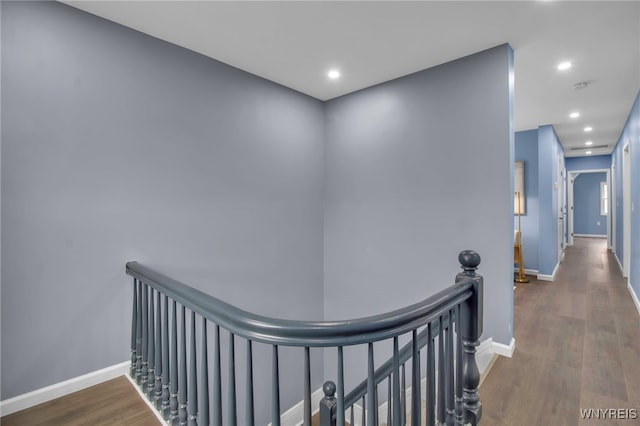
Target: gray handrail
[(159, 360), (303, 333)]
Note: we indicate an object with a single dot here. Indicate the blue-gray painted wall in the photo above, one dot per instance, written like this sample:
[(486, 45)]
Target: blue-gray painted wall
[(631, 133), (595, 162), (526, 149), (408, 187), (549, 152), (135, 149), (587, 219), (117, 146)]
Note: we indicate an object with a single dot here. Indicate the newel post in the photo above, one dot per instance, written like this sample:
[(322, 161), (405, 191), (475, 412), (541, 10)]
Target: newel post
[(328, 405), (471, 315)]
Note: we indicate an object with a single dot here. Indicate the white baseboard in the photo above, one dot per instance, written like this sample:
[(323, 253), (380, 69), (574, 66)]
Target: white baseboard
[(590, 235), (619, 263), (295, 415), (504, 350), (38, 396), (543, 277), (634, 296), (527, 271)]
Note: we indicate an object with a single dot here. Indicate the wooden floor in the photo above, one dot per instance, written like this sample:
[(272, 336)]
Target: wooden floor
[(114, 402), (577, 347)]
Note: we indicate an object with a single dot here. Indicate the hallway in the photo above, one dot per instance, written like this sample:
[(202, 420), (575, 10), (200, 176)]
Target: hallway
[(577, 347)]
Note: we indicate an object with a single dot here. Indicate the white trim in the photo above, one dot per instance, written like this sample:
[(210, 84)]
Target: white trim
[(619, 263), (294, 416), (146, 400), (590, 235), (572, 175), (634, 296), (527, 271), (504, 350), (543, 277), (626, 208), (38, 396), (588, 171)]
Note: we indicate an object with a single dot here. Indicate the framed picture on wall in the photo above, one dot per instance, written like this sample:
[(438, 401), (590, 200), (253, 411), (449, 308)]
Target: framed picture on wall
[(518, 198)]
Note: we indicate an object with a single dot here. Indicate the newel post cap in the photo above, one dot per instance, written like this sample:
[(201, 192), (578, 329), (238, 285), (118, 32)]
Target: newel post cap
[(329, 389), (469, 260)]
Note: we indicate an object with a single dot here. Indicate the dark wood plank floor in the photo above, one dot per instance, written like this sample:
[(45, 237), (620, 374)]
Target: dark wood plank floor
[(114, 402), (577, 347)]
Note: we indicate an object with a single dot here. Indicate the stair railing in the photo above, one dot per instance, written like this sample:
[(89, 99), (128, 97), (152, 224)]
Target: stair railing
[(448, 324)]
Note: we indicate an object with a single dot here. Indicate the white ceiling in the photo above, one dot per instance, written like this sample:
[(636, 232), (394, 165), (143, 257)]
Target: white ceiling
[(296, 43)]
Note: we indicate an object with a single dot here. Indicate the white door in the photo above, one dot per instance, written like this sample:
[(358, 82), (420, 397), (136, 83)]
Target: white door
[(626, 209)]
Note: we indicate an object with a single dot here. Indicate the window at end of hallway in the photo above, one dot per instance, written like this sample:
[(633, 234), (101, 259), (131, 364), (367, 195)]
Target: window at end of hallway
[(604, 199)]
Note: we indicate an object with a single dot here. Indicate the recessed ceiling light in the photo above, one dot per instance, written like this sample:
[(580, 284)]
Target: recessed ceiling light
[(588, 129), (588, 152), (574, 115), (333, 74), (564, 65), (588, 143)]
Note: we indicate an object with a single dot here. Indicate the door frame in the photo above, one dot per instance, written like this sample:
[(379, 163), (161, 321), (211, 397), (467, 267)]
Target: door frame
[(572, 175), (626, 209)]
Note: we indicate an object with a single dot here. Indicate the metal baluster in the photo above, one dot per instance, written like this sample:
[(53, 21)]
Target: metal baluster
[(403, 397), (145, 343), (204, 377), (377, 404), (364, 413), (340, 406), (217, 380), (151, 369), (389, 400), (449, 369), (416, 405), (134, 328), (182, 374), (231, 401), (275, 391), (157, 398), (250, 416), (442, 373), (193, 374), (459, 400), (165, 358), (139, 335), (173, 384), (397, 406), (352, 420), (371, 403), (431, 378), (307, 386)]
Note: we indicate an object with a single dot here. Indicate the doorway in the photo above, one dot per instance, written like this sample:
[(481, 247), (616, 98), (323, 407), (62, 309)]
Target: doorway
[(572, 175)]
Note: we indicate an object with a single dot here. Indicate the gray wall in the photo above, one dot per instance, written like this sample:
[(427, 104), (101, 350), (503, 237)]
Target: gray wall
[(418, 169), (120, 147), (117, 147)]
